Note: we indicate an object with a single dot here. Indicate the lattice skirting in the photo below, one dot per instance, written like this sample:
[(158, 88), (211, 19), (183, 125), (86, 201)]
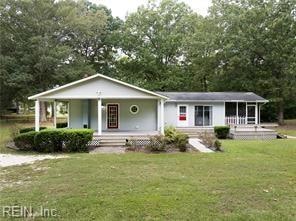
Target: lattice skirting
[(94, 143), (141, 142)]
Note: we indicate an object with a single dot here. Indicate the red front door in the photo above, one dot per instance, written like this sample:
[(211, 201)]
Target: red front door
[(112, 116)]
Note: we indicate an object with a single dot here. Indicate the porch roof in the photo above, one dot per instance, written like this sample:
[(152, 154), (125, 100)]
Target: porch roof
[(214, 96)]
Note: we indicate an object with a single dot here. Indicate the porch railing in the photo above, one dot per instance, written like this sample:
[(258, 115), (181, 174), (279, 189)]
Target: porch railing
[(231, 120)]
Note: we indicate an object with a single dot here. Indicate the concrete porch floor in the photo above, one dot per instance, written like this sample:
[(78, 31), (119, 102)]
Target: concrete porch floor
[(127, 133)]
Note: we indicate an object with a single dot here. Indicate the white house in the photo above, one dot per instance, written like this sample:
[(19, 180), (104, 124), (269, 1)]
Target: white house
[(106, 104)]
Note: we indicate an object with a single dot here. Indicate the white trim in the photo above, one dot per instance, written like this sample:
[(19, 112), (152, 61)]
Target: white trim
[(118, 117), (37, 115), (55, 114), (187, 115), (134, 105), (162, 116), (99, 116), (203, 101), (68, 117), (92, 77), (95, 97)]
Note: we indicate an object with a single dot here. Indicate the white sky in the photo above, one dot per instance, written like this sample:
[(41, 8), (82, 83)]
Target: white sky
[(120, 8)]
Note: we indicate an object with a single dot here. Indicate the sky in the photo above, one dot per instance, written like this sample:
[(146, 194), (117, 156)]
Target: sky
[(120, 8)]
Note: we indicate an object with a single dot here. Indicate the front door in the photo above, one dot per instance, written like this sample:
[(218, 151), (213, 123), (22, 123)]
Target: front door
[(112, 116), (251, 114), (182, 116)]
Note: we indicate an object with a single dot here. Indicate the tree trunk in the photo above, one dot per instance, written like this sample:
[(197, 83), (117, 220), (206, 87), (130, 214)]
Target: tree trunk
[(17, 104), (43, 110), (281, 112)]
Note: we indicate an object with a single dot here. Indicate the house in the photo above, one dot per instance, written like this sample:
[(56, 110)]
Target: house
[(106, 104)]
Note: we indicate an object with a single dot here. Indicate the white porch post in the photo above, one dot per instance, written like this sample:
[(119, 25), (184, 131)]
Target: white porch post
[(68, 117), (237, 113), (37, 115), (259, 113), (256, 113), (55, 114), (99, 116), (162, 116)]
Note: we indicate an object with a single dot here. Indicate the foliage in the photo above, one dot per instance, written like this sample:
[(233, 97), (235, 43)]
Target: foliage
[(176, 138), (157, 143), (208, 139), (181, 141), (217, 145), (76, 140), (62, 125), (28, 129), (25, 141), (69, 140), (221, 132)]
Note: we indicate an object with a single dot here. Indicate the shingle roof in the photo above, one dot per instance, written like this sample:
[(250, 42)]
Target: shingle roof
[(213, 96)]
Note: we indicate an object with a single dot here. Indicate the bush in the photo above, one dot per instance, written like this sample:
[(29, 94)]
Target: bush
[(76, 140), (217, 145), (25, 141), (28, 129), (208, 139), (62, 125), (176, 138), (181, 141), (49, 141), (221, 132), (68, 140), (157, 143), (170, 133)]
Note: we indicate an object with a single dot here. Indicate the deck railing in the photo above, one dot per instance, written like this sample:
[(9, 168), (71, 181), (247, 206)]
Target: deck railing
[(232, 120)]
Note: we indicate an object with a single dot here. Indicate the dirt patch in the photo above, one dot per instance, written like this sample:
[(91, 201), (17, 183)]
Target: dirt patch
[(12, 160)]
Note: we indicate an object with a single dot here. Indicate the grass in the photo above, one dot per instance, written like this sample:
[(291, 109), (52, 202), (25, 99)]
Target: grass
[(251, 180), (289, 128)]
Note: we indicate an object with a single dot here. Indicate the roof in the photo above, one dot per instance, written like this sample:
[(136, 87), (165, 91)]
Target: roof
[(213, 96), (92, 77)]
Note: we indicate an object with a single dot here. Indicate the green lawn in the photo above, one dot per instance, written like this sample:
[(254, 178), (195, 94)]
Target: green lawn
[(251, 180), (289, 128)]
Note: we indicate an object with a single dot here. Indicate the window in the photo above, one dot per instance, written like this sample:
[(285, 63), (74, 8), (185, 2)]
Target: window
[(203, 115), (134, 109)]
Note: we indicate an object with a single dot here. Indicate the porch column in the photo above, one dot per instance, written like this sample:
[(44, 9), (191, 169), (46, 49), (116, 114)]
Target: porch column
[(256, 113), (99, 116), (237, 113), (37, 115), (68, 117), (55, 114), (259, 113), (162, 116)]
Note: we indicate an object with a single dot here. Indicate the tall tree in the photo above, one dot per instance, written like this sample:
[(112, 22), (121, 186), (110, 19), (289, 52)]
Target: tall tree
[(257, 48), (152, 40), (45, 43)]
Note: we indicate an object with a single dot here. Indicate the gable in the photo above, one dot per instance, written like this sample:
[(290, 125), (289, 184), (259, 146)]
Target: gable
[(95, 86)]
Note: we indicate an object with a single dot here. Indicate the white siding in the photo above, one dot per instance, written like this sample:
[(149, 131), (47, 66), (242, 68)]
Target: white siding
[(89, 89), (170, 110), (144, 120)]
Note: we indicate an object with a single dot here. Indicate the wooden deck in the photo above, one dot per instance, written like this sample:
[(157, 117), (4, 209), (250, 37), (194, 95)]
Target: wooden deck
[(252, 133)]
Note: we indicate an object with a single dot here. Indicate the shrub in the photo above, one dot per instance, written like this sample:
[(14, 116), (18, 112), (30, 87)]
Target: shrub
[(170, 133), (208, 139), (62, 125), (176, 138), (68, 140), (217, 145), (50, 140), (28, 129), (181, 141), (76, 140), (221, 132), (157, 143), (25, 141)]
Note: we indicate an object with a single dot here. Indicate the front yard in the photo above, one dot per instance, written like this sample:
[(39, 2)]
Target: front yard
[(251, 180)]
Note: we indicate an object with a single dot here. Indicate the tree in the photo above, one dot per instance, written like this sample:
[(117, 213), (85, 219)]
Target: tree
[(152, 42), (45, 43), (257, 48)]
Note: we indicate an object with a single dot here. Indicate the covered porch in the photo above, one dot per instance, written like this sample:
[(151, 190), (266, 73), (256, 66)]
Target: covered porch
[(115, 116), (242, 113)]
